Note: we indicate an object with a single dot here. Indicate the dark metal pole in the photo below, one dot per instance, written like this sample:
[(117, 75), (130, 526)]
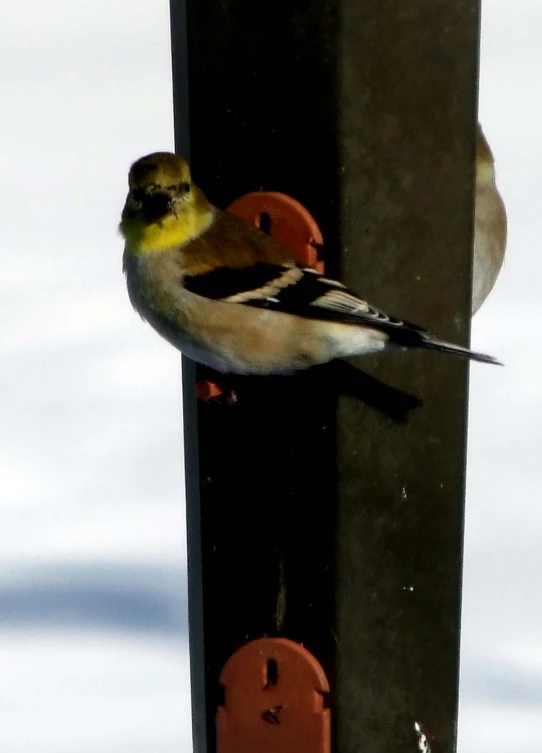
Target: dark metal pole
[(310, 515), (179, 60)]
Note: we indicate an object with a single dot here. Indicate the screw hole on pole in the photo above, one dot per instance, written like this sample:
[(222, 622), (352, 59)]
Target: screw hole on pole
[(272, 673), (265, 223)]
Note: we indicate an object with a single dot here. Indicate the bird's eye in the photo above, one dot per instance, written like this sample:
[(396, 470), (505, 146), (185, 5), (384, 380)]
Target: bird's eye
[(179, 188), (138, 195)]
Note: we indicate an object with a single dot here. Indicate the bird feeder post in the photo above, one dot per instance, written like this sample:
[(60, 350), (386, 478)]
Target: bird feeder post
[(312, 517)]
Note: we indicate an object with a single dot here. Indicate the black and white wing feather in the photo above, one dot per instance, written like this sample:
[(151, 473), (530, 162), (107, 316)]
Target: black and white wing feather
[(291, 289), (299, 291)]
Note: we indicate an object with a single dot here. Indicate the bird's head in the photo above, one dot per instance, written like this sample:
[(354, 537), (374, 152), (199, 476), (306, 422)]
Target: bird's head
[(164, 208)]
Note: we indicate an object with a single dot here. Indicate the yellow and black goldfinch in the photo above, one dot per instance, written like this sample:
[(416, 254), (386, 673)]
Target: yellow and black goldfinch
[(227, 295), (489, 225)]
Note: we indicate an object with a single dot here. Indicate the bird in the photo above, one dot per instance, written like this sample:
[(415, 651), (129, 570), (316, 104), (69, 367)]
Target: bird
[(490, 225), (230, 297)]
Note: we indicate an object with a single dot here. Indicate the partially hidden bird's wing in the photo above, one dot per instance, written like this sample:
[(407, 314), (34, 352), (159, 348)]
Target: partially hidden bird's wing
[(292, 289)]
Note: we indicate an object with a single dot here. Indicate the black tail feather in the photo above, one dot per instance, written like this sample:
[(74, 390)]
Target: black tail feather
[(431, 343)]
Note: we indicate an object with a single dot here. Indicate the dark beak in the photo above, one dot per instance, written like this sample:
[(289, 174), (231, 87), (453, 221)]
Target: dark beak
[(156, 205)]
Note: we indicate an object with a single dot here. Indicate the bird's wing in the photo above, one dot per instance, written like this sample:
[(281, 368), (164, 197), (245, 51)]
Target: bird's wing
[(292, 289)]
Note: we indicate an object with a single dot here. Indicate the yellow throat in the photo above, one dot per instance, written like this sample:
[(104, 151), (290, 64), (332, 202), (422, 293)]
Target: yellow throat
[(168, 232)]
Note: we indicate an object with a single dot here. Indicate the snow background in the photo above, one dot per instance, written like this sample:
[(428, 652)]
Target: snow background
[(93, 625)]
